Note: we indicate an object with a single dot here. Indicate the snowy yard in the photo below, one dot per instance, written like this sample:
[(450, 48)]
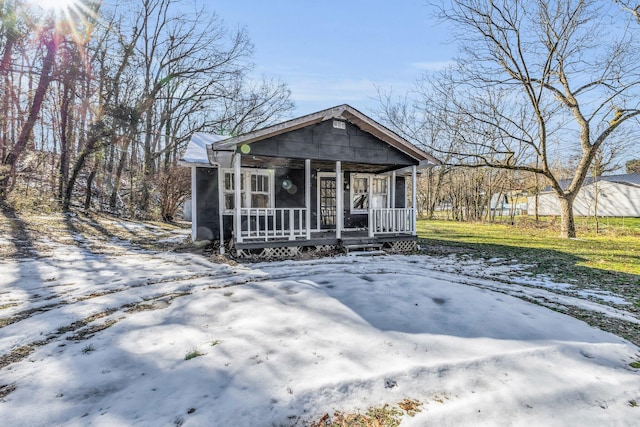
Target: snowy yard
[(122, 336)]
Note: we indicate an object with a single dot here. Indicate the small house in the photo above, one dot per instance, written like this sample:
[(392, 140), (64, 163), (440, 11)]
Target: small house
[(335, 178)]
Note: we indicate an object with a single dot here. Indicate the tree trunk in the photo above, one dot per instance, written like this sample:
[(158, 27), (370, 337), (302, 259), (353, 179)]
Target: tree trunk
[(567, 223), (87, 199), (12, 158), (116, 182)]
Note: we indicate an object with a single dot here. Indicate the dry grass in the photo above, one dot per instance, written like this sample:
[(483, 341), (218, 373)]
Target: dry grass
[(28, 234), (381, 416)]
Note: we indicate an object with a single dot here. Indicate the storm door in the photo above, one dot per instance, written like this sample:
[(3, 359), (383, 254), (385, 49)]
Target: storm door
[(327, 199)]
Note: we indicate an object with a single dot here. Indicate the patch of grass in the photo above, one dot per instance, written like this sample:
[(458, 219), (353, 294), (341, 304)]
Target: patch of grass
[(5, 389), (192, 354), (8, 305), (635, 365), (633, 403), (610, 259), (215, 343), (88, 349)]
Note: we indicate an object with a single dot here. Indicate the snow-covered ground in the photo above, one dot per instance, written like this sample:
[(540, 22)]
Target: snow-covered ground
[(106, 337)]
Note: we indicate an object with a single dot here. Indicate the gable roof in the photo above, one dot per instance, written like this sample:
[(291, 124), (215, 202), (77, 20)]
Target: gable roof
[(341, 112)]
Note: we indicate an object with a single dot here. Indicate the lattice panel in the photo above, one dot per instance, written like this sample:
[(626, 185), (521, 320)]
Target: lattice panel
[(283, 252), (403, 246), (323, 249)]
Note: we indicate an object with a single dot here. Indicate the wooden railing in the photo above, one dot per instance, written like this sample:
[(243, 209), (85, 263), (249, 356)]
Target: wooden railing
[(272, 223), (392, 221)]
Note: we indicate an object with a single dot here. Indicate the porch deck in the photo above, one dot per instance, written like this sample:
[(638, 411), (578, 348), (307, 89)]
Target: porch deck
[(327, 238)]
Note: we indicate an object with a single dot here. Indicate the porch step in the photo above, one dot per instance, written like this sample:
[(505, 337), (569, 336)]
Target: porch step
[(360, 245)]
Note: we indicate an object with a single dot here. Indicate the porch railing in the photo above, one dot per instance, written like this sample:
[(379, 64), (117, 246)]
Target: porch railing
[(391, 221), (272, 223)]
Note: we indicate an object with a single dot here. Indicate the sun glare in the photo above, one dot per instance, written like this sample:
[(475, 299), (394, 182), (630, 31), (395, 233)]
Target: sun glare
[(57, 5)]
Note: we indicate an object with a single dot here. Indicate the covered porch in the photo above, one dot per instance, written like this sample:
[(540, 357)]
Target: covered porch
[(341, 203)]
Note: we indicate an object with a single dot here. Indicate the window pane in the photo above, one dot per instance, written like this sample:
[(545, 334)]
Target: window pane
[(379, 185), (259, 200), (360, 201), (360, 185), (228, 181), (260, 183), (229, 200), (379, 201)]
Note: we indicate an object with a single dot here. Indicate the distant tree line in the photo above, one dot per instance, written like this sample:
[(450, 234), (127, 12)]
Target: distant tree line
[(99, 101)]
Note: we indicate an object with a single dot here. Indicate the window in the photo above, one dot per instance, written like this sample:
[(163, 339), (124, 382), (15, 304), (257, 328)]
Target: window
[(260, 185), (379, 192), (360, 194), (369, 191)]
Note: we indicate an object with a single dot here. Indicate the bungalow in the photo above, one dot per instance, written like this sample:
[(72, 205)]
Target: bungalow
[(335, 178), (604, 196)]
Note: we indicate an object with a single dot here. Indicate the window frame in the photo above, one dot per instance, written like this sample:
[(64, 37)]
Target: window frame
[(369, 193), (246, 191)]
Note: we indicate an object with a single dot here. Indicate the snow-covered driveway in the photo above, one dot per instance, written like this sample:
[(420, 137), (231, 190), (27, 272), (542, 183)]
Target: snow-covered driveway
[(96, 339)]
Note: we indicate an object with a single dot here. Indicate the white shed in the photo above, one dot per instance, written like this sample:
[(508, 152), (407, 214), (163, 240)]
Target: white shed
[(613, 196)]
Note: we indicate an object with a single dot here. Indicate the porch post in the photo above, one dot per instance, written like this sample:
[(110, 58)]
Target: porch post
[(307, 196), (237, 178), (392, 191), (221, 208), (339, 200), (413, 199), (194, 205)]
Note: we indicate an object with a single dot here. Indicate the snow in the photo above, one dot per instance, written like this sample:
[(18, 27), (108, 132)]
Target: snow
[(196, 151), (282, 343)]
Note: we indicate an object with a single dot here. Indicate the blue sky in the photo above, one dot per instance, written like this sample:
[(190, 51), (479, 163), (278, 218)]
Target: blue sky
[(337, 51)]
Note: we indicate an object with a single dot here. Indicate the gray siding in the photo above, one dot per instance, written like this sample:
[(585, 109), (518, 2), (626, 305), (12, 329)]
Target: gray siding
[(322, 141), (207, 208)]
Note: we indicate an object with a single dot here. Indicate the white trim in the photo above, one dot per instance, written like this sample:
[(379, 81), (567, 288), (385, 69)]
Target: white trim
[(318, 205), (237, 159), (246, 174), (307, 196), (221, 210), (370, 177), (339, 200), (194, 205), (414, 188), (392, 191)]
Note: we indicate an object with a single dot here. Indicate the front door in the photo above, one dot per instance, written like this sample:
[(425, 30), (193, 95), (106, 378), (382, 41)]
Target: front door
[(327, 202)]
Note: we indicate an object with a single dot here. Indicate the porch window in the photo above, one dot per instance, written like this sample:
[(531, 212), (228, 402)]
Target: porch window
[(369, 191), (359, 194), (379, 192), (260, 189)]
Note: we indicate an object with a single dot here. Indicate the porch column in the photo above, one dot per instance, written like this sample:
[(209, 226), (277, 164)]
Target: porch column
[(221, 208), (414, 188), (307, 196), (194, 205), (237, 178), (392, 191), (339, 200)]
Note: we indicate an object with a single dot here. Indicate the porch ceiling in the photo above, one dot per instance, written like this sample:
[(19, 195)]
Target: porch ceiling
[(279, 162)]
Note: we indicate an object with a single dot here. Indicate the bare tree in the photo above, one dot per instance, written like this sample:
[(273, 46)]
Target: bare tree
[(538, 80), (631, 6)]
